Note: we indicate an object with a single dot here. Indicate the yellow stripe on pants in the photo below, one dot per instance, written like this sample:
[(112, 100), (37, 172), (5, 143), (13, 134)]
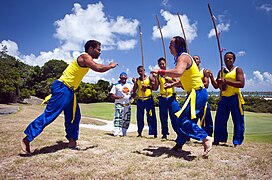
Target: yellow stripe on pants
[(192, 98)]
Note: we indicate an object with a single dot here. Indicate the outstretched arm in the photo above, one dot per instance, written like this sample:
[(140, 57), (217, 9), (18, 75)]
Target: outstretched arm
[(85, 60), (183, 62)]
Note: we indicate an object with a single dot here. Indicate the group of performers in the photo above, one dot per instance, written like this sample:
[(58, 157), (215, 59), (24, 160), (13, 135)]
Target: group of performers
[(187, 74), (184, 119)]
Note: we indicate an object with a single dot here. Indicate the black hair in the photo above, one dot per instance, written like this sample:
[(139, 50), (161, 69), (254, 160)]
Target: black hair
[(180, 44), (234, 57), (161, 59), (139, 67), (91, 43), (197, 56)]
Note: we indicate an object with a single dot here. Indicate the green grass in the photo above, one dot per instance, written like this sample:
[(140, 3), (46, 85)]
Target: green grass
[(257, 125)]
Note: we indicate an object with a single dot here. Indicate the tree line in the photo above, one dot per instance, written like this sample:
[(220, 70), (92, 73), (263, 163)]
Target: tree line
[(19, 81)]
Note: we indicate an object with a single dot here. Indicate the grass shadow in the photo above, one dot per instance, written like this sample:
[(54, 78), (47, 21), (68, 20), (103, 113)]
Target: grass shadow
[(159, 151), (54, 148)]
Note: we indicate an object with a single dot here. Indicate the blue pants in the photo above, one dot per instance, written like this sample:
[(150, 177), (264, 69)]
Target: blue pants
[(208, 123), (150, 113), (168, 104), (225, 106), (188, 127), (62, 99)]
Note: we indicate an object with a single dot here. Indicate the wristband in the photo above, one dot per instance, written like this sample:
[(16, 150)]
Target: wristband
[(161, 72)]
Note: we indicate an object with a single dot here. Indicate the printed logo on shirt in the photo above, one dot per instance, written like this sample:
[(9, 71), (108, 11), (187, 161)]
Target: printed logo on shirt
[(126, 90)]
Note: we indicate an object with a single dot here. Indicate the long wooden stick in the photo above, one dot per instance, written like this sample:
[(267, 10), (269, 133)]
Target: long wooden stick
[(141, 44), (219, 48), (217, 38), (142, 51), (183, 33), (159, 26)]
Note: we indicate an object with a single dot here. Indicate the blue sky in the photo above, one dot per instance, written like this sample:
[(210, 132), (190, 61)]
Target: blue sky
[(37, 31)]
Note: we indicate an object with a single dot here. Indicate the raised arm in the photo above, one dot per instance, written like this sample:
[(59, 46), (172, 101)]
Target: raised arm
[(156, 82), (205, 79), (135, 87), (153, 83), (214, 82)]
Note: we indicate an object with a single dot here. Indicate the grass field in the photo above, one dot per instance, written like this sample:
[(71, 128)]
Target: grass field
[(103, 156), (258, 125)]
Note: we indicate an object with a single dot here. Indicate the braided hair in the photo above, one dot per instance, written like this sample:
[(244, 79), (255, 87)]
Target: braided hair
[(180, 46)]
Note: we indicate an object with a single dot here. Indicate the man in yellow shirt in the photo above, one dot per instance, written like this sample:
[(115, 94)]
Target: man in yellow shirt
[(205, 116), (186, 69), (167, 99), (63, 97), (231, 101), (143, 87)]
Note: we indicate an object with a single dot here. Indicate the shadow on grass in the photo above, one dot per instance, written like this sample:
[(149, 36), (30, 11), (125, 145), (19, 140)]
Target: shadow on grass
[(109, 134), (54, 148), (159, 151)]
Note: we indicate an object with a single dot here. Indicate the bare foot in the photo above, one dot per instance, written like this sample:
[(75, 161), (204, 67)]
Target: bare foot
[(25, 146), (207, 143), (72, 143), (237, 145)]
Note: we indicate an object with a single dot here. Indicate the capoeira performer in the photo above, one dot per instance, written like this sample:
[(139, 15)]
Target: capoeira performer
[(205, 116), (63, 96), (167, 99), (231, 100), (121, 93), (143, 87), (186, 69)]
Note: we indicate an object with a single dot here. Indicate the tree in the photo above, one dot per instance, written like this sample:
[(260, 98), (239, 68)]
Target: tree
[(3, 52), (9, 79), (53, 69), (86, 93)]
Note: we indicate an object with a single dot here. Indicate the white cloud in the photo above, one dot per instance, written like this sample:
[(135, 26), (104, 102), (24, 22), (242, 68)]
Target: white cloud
[(267, 77), (259, 82), (258, 76), (126, 45), (91, 23), (171, 29), (220, 28), (265, 7), (165, 3), (124, 26), (12, 47), (75, 29), (241, 53)]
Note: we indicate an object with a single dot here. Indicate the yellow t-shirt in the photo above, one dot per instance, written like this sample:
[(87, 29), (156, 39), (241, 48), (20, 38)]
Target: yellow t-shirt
[(73, 74), (201, 72), (230, 90), (148, 91), (191, 78), (167, 91)]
